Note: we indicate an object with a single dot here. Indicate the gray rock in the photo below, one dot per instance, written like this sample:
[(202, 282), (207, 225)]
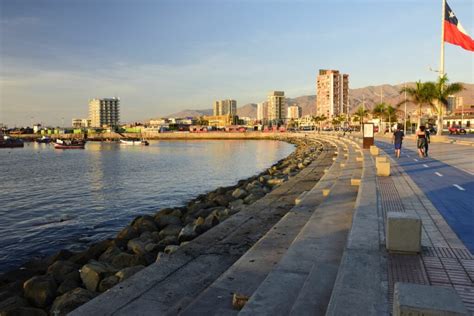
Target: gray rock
[(145, 223), (168, 240), (12, 303), (236, 204), (40, 290), (166, 220), (187, 233), (68, 285), (93, 272), (128, 233), (62, 270), (211, 221), (108, 283), (264, 179), (171, 248), (128, 272), (70, 301), (137, 246), (170, 230), (239, 193), (223, 200), (124, 260), (109, 254)]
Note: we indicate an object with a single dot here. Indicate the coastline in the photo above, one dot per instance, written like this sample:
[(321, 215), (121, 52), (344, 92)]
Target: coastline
[(70, 279)]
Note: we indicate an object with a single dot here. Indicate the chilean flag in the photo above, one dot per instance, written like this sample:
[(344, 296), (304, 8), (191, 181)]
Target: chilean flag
[(454, 33)]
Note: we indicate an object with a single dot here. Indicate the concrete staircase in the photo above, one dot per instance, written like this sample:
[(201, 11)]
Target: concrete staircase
[(292, 269)]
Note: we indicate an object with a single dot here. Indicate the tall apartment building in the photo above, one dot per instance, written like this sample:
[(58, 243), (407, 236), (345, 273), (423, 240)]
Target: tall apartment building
[(332, 93), (262, 112), (104, 112), (277, 107), (294, 112), (225, 107), (454, 103)]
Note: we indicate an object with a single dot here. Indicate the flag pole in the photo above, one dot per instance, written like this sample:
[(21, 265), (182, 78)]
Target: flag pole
[(443, 17)]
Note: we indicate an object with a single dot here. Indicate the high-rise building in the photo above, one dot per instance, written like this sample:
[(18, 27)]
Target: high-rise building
[(262, 112), (277, 107), (332, 93), (225, 107), (104, 112), (294, 112), (454, 103)]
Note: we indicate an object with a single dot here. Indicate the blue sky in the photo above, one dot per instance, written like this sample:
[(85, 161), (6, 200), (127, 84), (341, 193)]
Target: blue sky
[(164, 56)]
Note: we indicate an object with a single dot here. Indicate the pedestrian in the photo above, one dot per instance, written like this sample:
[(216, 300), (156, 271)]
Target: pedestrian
[(427, 141), (397, 140), (421, 141)]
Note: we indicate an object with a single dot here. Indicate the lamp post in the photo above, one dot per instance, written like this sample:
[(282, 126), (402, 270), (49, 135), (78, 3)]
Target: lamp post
[(405, 112)]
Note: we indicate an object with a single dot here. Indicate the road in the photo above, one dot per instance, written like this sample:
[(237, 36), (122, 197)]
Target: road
[(447, 179)]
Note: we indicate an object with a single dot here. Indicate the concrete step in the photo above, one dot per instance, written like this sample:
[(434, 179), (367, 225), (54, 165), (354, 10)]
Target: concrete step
[(247, 273), (301, 282)]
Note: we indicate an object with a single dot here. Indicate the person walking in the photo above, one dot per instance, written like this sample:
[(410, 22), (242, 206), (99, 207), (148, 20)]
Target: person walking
[(421, 141), (397, 139), (427, 141)]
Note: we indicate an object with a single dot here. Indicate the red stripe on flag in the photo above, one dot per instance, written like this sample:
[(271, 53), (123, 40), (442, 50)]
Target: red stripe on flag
[(454, 36)]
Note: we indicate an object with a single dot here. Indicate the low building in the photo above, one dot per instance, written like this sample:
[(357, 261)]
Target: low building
[(221, 121), (81, 123), (294, 112)]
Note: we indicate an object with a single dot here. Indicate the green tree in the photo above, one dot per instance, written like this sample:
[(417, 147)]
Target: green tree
[(441, 90), (360, 114), (421, 95), (390, 115)]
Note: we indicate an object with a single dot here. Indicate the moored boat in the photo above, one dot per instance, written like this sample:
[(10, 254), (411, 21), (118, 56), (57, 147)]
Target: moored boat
[(141, 142), (8, 142), (44, 140), (69, 144)]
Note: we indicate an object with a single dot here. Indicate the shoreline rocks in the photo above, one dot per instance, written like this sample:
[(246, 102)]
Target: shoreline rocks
[(66, 280)]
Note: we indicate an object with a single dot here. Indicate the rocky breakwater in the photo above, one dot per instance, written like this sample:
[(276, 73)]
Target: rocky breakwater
[(66, 280)]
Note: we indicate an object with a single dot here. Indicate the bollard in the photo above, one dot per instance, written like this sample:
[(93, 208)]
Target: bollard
[(374, 150), (383, 169), (326, 192), (403, 233)]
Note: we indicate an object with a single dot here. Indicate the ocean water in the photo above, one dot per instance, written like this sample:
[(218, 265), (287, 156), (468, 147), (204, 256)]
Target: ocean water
[(65, 199)]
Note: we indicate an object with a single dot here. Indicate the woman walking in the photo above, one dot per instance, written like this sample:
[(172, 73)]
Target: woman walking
[(421, 141)]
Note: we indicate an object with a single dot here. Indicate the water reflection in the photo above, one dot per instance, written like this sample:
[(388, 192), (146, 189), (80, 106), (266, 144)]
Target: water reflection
[(53, 199)]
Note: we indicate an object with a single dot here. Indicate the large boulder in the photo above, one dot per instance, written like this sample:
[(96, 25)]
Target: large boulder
[(188, 233), (128, 233), (71, 300), (68, 285), (170, 230), (40, 290), (223, 200), (108, 283), (11, 303), (62, 270), (124, 260), (236, 204), (92, 253), (137, 246), (211, 221), (166, 220), (109, 254), (128, 272), (239, 193), (145, 223), (93, 272)]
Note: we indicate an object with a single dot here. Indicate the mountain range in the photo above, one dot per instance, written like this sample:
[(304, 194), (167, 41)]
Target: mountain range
[(370, 95)]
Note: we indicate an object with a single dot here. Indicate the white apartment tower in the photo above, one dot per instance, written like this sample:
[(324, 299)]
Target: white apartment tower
[(332, 93), (294, 112), (277, 107), (104, 112), (225, 107), (262, 112)]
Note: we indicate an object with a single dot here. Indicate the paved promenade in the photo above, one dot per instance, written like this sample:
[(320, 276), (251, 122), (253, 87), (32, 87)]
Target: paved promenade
[(327, 256)]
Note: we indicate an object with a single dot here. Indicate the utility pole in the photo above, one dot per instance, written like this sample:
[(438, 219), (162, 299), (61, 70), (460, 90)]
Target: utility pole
[(405, 115)]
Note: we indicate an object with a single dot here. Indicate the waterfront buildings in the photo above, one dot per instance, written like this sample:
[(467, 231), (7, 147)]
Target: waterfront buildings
[(104, 112), (81, 123), (225, 107), (294, 112), (454, 103), (262, 112), (332, 93), (277, 107), (221, 121)]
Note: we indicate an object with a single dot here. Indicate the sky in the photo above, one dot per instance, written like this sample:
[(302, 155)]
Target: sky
[(161, 57)]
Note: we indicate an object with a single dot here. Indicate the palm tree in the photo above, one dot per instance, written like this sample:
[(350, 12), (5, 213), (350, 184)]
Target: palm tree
[(422, 94), (318, 119), (360, 114), (441, 91), (390, 113), (378, 111)]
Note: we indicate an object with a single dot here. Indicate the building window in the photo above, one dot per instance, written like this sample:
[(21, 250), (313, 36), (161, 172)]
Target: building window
[(460, 123), (468, 124), (449, 123)]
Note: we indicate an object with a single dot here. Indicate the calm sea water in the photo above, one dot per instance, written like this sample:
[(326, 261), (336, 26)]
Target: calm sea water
[(52, 199)]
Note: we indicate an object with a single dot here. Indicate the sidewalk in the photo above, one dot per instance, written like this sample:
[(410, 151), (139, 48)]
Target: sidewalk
[(445, 260)]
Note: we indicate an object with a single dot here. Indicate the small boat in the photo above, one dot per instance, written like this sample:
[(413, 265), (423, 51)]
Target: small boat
[(135, 142), (69, 144), (8, 142), (44, 140)]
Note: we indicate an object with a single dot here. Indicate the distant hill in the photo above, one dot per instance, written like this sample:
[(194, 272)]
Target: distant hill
[(371, 95)]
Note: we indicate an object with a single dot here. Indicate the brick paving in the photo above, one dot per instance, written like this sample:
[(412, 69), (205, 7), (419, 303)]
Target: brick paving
[(444, 260)]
